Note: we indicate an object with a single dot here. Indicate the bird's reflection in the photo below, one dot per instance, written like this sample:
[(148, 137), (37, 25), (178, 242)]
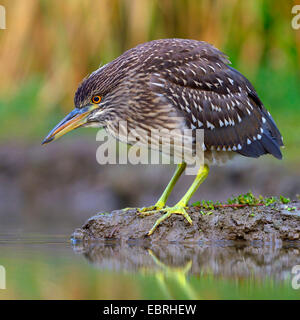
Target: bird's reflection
[(177, 262), (177, 274)]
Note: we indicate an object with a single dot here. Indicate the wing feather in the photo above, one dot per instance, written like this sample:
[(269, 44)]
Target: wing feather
[(215, 97)]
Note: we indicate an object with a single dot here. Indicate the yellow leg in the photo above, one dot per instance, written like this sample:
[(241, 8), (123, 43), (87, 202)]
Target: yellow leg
[(179, 208), (160, 204)]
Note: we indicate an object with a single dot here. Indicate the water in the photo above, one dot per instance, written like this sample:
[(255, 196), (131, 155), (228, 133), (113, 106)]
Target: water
[(50, 267), (58, 188)]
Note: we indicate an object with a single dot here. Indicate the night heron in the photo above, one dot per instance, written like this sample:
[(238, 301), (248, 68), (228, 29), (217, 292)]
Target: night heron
[(155, 84)]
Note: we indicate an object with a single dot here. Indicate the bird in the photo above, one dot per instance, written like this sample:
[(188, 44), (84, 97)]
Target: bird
[(176, 84)]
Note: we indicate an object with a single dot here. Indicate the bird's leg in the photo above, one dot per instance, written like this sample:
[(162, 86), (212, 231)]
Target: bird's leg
[(179, 208), (160, 204)]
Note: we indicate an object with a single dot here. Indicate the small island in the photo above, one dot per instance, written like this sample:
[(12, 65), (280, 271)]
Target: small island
[(244, 218)]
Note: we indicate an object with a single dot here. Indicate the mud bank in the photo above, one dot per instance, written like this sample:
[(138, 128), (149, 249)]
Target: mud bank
[(273, 223)]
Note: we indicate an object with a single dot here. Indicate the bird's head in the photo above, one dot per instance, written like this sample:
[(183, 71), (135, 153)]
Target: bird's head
[(95, 102)]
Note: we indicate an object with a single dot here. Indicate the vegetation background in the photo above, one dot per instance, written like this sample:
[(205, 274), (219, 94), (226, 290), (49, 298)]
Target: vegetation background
[(49, 46)]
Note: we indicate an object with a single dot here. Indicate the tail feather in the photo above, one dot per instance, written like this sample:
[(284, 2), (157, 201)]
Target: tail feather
[(273, 128), (271, 139), (270, 142)]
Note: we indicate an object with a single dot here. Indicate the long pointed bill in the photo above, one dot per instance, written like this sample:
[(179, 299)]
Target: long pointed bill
[(73, 120)]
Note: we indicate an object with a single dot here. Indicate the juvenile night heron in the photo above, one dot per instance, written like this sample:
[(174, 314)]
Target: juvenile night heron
[(156, 83)]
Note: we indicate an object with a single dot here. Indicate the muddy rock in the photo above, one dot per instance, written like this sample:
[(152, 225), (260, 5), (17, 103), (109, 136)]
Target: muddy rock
[(275, 223)]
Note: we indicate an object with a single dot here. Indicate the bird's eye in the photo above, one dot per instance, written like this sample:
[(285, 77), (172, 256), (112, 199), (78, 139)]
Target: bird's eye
[(96, 99)]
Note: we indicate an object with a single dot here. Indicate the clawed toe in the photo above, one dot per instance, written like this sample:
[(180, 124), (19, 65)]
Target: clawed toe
[(178, 209), (129, 208), (168, 211), (147, 211)]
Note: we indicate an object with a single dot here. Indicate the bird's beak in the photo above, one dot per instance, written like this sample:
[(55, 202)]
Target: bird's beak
[(73, 120)]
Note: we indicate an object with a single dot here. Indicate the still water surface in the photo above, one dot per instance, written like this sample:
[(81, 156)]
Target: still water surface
[(50, 267)]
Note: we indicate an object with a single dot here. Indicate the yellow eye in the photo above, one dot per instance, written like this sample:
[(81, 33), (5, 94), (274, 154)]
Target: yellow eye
[(96, 99)]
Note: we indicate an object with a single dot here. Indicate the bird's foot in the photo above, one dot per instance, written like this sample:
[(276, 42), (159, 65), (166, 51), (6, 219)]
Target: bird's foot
[(146, 211), (129, 208), (179, 208)]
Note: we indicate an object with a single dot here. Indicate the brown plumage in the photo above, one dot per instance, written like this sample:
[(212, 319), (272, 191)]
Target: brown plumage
[(153, 84), (176, 84)]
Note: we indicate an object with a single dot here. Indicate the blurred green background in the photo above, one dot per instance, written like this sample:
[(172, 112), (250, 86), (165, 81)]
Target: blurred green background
[(49, 46)]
